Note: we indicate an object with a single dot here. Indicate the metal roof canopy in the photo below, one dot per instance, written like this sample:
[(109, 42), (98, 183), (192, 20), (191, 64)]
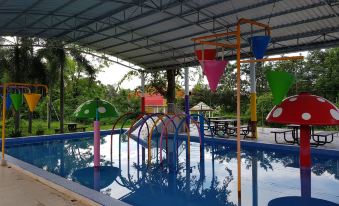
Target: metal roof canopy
[(156, 34)]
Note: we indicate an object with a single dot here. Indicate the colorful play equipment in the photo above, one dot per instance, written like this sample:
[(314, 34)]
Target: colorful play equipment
[(279, 82), (305, 110), (165, 121), (258, 45), (17, 101), (13, 92), (96, 109)]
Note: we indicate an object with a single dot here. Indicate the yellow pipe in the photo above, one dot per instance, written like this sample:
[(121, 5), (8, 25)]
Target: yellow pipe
[(214, 35), (4, 88), (273, 59), (217, 44), (253, 105), (150, 137)]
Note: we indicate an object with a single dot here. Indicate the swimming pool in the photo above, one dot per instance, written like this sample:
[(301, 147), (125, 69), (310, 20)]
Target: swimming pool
[(266, 173)]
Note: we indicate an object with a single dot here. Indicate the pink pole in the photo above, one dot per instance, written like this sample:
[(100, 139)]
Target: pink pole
[(96, 143)]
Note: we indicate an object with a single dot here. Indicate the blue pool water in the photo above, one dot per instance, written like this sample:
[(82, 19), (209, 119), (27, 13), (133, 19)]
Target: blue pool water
[(266, 174)]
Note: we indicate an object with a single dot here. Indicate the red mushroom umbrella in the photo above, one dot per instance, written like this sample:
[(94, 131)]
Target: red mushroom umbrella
[(305, 110)]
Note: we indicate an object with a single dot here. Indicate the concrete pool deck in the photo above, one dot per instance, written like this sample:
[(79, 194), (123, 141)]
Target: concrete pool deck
[(266, 137), (17, 188)]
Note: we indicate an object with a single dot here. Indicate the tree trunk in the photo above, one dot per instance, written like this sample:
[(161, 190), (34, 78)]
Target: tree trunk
[(62, 99), (30, 117), (170, 90), (16, 121), (49, 110)]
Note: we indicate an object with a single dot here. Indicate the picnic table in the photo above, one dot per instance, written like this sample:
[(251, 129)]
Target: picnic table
[(319, 138), (221, 125), (72, 127)]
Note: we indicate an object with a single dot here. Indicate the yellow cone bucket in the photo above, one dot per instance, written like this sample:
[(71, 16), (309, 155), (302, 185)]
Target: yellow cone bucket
[(32, 100)]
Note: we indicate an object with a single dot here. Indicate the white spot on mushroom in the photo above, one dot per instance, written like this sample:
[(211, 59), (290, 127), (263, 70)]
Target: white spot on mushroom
[(320, 99), (277, 112), (86, 111), (306, 116), (102, 109), (292, 99), (334, 114)]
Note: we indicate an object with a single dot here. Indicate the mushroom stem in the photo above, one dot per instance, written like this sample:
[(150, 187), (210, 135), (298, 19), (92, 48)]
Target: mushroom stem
[(305, 150)]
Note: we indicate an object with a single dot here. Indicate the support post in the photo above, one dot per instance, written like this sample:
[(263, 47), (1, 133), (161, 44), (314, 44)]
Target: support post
[(238, 113), (96, 143), (143, 106), (187, 104), (253, 101), (3, 161), (202, 147)]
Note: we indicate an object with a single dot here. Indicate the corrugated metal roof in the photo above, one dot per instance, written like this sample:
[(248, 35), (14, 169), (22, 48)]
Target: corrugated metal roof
[(157, 34)]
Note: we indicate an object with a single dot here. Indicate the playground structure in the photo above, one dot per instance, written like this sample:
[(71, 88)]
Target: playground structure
[(20, 89), (258, 45), (163, 122)]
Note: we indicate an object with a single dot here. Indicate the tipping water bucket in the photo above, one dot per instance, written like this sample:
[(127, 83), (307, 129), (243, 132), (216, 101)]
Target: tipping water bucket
[(259, 45), (279, 82), (209, 54), (32, 100), (16, 100), (213, 70)]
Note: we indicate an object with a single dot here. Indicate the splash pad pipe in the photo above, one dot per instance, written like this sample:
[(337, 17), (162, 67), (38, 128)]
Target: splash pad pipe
[(4, 94), (158, 115), (127, 116), (144, 120), (149, 140), (183, 118)]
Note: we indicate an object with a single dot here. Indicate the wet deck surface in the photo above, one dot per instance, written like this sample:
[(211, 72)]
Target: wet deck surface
[(265, 136)]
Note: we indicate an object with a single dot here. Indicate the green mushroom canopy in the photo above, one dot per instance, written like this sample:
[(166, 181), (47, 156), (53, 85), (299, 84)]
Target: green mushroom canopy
[(88, 109)]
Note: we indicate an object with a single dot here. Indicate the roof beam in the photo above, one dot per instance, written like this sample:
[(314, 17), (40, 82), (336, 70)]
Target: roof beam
[(20, 14), (284, 49), (48, 14), (201, 33), (142, 15), (107, 14), (182, 15), (202, 21), (277, 51)]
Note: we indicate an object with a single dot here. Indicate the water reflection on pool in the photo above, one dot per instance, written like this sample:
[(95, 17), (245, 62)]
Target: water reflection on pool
[(266, 174)]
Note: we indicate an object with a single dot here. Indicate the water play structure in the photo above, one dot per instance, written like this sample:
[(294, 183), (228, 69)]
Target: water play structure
[(14, 92), (161, 126), (96, 109), (258, 45)]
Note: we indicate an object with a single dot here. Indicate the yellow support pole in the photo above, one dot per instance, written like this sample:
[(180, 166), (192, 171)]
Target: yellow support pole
[(4, 93), (253, 104), (3, 161)]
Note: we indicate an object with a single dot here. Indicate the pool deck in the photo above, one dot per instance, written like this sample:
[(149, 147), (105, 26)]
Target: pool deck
[(266, 137), (17, 188)]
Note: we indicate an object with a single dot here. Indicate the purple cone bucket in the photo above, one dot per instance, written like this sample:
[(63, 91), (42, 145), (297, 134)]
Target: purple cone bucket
[(259, 45)]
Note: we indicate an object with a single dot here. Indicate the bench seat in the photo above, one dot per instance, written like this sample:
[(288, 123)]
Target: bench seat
[(284, 131), (244, 130), (321, 138)]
